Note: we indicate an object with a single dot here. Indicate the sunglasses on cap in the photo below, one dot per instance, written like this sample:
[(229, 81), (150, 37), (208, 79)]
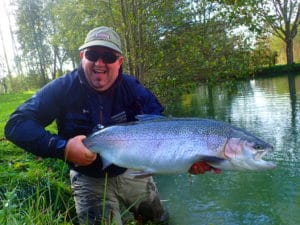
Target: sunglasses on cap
[(106, 57)]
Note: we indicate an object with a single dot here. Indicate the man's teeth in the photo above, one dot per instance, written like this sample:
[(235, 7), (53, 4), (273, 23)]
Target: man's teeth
[(100, 71)]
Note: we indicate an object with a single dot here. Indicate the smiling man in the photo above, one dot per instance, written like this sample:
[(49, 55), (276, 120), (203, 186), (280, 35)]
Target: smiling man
[(101, 58), (97, 92)]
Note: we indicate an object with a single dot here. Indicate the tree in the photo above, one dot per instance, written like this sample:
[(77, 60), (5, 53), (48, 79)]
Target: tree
[(5, 55), (7, 65), (32, 32), (140, 24), (278, 17), (284, 19)]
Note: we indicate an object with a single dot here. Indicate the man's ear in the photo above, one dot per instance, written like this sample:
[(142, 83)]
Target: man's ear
[(121, 59), (81, 53)]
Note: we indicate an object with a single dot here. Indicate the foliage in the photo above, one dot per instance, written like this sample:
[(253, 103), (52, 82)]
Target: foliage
[(183, 41), (202, 47)]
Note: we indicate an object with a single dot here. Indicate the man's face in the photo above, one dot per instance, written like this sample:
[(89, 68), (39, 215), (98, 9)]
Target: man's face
[(101, 66)]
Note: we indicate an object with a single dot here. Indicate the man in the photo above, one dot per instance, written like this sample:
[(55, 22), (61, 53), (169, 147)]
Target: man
[(97, 92)]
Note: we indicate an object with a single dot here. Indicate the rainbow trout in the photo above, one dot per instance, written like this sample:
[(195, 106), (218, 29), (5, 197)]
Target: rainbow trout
[(162, 145)]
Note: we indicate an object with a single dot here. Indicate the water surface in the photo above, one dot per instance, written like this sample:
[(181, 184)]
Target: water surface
[(269, 108)]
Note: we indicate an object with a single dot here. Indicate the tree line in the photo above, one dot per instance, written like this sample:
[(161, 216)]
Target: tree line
[(167, 43)]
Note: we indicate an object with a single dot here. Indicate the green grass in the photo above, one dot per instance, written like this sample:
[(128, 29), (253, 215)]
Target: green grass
[(8, 103), (32, 191)]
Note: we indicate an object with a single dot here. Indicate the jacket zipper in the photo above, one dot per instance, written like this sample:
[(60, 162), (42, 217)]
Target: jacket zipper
[(101, 114)]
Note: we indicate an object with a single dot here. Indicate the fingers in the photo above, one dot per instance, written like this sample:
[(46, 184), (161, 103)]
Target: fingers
[(77, 153), (198, 167)]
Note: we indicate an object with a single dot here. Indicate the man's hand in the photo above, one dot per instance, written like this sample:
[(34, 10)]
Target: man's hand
[(202, 167), (77, 153)]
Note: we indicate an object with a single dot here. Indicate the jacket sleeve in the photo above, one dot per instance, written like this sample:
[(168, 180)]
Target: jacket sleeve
[(26, 126)]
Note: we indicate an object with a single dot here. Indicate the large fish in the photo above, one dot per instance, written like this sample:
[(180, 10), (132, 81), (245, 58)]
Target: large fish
[(156, 145)]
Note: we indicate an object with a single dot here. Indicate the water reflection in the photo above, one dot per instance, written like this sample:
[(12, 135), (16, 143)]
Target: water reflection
[(269, 108)]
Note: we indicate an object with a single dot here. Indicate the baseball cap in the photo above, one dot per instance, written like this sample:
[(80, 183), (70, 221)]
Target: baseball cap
[(102, 36)]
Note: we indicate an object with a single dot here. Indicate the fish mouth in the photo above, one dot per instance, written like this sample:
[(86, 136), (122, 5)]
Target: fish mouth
[(258, 157), (260, 154)]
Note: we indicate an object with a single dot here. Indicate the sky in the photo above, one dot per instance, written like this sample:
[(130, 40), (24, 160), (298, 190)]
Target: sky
[(4, 6)]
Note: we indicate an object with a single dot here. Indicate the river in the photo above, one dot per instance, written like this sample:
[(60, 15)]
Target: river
[(267, 107)]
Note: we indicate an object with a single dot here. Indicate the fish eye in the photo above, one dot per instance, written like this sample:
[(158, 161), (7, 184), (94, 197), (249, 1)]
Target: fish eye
[(258, 147)]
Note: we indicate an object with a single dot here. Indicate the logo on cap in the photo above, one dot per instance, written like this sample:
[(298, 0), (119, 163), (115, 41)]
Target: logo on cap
[(102, 36)]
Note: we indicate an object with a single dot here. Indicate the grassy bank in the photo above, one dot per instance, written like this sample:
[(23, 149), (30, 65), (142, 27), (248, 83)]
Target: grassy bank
[(32, 191), (278, 70)]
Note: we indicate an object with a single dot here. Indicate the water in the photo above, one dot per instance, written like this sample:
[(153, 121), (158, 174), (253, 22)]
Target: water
[(269, 108)]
